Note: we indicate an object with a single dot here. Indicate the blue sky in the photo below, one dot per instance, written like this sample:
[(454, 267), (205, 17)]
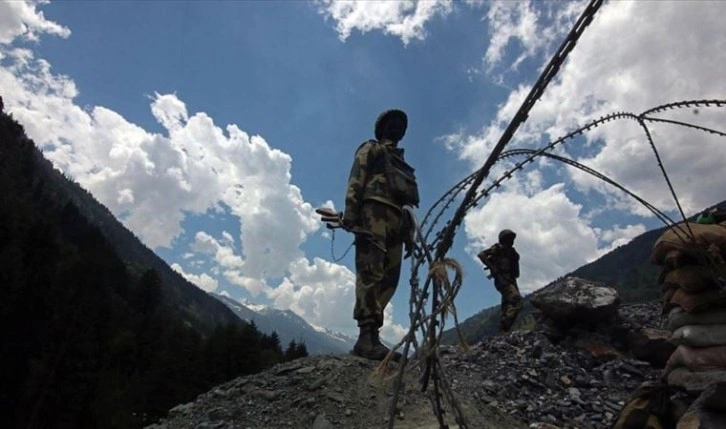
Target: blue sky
[(213, 129)]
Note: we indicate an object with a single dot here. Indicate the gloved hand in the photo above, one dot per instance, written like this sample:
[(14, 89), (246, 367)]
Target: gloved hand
[(332, 218)]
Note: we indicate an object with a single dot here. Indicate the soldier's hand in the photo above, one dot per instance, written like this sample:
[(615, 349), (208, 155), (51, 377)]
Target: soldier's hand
[(332, 218)]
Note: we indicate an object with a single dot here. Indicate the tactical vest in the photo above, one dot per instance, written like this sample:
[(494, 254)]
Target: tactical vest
[(400, 181), (401, 178)]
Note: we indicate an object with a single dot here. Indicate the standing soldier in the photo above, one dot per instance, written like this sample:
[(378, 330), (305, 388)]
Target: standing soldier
[(502, 260), (380, 184)]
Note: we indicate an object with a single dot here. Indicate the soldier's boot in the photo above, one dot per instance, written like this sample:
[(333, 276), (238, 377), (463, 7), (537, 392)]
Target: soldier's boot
[(368, 346), (377, 340)]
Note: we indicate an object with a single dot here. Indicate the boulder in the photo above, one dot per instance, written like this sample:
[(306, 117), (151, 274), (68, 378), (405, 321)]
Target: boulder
[(651, 345), (575, 300)]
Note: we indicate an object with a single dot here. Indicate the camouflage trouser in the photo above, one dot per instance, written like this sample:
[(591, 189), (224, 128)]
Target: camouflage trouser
[(377, 270), (511, 302)]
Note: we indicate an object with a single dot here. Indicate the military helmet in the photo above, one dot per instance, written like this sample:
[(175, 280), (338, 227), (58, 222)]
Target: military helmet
[(384, 118), (503, 234)]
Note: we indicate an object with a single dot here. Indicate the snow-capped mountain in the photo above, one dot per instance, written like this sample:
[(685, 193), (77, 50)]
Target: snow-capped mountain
[(289, 327)]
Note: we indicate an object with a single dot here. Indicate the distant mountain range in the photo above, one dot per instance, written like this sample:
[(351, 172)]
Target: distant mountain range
[(289, 327)]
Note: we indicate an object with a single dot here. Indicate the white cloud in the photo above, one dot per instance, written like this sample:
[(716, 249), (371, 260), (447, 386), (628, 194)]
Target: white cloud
[(404, 19), (223, 252), (390, 331), (193, 166), (20, 19), (619, 236), (322, 292), (648, 68), (154, 179), (202, 281), (624, 61), (546, 223)]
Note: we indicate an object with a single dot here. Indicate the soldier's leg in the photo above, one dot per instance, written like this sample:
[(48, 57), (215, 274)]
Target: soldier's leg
[(512, 305), (369, 274), (504, 304), (370, 264), (392, 259), (369, 259)]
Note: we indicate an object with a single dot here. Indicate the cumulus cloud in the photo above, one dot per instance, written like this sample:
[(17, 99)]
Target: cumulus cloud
[(404, 19), (524, 24), (649, 67), (619, 236), (623, 62), (153, 180), (202, 281), (323, 293), (21, 19), (546, 223), (318, 291)]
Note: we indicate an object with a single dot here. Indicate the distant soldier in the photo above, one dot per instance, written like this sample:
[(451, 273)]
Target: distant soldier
[(502, 260), (380, 184)]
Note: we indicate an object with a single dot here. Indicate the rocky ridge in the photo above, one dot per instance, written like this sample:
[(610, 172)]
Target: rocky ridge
[(518, 380)]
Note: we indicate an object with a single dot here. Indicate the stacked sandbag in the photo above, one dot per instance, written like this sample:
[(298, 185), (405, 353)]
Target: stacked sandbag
[(693, 282)]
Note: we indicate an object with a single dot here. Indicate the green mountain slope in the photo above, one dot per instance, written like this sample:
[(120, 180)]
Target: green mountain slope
[(95, 330)]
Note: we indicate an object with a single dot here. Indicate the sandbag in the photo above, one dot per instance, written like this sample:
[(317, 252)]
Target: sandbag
[(698, 359), (712, 399), (677, 317), (702, 419), (695, 382), (647, 408), (675, 259), (691, 278), (694, 302), (708, 238), (708, 411), (700, 335)]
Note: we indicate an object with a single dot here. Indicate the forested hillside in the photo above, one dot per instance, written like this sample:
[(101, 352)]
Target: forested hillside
[(97, 333)]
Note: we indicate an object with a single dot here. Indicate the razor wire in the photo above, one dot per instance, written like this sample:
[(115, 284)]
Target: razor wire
[(444, 292), (420, 319), (437, 286)]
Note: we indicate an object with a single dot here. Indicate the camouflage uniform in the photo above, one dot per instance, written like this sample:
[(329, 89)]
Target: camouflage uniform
[(503, 263), (374, 212), (380, 184)]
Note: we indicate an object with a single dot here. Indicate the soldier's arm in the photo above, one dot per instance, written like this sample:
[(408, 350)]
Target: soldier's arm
[(485, 256), (515, 271), (356, 185)]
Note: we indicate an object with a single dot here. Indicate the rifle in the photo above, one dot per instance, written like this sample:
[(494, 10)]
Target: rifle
[(334, 220)]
